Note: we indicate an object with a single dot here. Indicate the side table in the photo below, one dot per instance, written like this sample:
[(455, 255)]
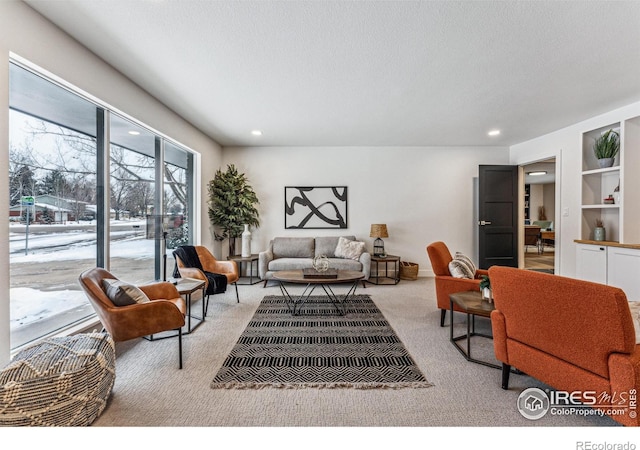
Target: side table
[(386, 279), (472, 303), (251, 269), (186, 287)]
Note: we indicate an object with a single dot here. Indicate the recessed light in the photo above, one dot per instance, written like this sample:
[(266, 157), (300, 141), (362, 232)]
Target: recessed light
[(256, 133), (494, 133), (134, 133), (538, 173)]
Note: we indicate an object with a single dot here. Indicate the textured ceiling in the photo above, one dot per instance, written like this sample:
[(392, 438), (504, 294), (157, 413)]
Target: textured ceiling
[(396, 73)]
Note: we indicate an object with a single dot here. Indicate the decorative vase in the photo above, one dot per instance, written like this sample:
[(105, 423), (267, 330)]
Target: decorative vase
[(246, 242), (599, 234), (605, 162), (486, 294)]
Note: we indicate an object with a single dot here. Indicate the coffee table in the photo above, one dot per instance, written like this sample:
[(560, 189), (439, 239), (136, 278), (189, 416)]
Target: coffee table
[(472, 303), (348, 277)]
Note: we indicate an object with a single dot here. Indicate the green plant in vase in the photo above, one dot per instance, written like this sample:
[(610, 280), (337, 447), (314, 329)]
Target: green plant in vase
[(606, 147), (485, 288), (232, 205)]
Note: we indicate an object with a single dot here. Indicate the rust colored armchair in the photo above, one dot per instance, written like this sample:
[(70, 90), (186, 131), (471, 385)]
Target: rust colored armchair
[(165, 311), (446, 284), (205, 263), (573, 335)]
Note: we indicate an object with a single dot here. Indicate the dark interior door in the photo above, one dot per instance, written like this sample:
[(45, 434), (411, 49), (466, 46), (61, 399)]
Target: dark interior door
[(498, 216)]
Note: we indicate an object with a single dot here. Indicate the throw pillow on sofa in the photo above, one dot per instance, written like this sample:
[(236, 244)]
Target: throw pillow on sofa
[(123, 294), (349, 249), (461, 266)]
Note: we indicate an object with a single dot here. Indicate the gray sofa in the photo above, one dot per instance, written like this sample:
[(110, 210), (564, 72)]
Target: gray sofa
[(292, 253)]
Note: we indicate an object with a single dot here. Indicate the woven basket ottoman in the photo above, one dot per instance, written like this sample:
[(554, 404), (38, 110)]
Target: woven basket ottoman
[(61, 381)]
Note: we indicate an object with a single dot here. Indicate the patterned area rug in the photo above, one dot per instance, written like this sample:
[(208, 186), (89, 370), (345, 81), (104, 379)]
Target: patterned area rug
[(358, 350)]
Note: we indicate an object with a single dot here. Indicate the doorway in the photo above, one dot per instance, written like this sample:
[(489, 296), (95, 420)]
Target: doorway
[(540, 224)]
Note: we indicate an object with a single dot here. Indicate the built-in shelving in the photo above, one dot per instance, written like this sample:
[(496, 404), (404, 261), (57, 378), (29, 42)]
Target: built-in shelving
[(621, 224)]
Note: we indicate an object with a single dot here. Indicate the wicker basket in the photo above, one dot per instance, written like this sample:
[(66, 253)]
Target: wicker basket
[(408, 271)]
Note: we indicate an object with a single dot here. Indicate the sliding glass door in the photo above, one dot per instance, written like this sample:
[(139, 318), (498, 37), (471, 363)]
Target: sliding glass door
[(79, 200), (132, 165)]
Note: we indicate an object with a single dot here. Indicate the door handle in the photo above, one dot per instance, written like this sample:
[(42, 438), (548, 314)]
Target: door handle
[(484, 222)]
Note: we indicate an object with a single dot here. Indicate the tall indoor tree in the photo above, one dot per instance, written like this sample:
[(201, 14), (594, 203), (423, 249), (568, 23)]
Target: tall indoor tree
[(232, 204)]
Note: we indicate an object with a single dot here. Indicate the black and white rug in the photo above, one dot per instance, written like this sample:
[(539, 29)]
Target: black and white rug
[(358, 350)]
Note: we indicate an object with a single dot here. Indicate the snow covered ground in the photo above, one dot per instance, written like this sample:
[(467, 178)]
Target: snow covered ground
[(59, 244)]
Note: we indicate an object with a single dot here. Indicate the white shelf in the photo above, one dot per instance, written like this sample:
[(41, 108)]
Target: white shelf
[(601, 206), (601, 171)]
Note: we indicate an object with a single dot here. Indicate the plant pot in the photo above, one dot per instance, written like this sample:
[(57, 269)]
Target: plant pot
[(599, 234), (487, 294), (605, 162)]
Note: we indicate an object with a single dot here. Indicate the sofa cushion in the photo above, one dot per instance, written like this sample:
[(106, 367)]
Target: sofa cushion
[(297, 247), (462, 267), (345, 264), (290, 264), (326, 245), (349, 249), (122, 293)]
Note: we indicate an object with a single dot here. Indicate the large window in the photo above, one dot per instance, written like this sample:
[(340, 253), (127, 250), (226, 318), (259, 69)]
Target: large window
[(77, 202), (132, 188)]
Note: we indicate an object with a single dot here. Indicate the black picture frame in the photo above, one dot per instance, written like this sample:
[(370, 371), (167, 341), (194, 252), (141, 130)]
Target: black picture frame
[(315, 207)]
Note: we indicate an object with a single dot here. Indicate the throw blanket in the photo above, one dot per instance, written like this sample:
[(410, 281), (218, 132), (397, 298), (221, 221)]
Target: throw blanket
[(189, 257)]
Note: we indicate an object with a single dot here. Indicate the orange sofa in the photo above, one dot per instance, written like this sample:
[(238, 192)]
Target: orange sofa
[(446, 284), (572, 335)]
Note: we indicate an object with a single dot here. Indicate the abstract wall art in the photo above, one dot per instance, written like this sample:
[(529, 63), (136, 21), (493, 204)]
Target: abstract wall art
[(319, 207)]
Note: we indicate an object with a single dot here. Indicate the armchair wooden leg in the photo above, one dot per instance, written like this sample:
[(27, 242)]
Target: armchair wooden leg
[(180, 346), (506, 370), (237, 296), (443, 314)]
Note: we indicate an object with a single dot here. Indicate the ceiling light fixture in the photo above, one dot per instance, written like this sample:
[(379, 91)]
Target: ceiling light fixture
[(494, 133), (537, 173), (256, 133), (134, 133)]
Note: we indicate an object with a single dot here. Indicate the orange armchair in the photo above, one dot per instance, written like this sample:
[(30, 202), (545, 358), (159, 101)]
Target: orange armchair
[(209, 264), (572, 335), (446, 284), (165, 311)]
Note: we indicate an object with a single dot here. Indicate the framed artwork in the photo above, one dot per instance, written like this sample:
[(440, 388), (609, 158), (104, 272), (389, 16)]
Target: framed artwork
[(320, 207)]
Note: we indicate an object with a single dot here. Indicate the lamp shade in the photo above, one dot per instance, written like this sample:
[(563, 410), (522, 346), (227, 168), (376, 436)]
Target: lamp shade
[(379, 230)]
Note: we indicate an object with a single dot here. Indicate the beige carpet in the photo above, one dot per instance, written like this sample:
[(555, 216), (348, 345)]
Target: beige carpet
[(150, 390)]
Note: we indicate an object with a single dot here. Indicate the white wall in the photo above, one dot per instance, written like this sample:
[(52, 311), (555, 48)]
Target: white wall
[(566, 146), (549, 202), (536, 200), (423, 194), (28, 35), (542, 195)]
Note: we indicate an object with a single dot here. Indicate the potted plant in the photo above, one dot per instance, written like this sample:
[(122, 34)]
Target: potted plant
[(599, 232), (606, 147), (232, 205), (485, 288)]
